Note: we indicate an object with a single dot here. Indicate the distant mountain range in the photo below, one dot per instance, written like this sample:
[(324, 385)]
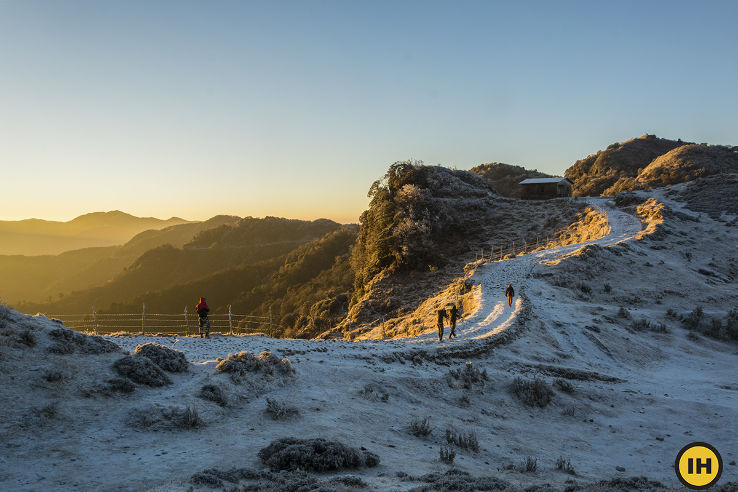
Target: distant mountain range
[(45, 237)]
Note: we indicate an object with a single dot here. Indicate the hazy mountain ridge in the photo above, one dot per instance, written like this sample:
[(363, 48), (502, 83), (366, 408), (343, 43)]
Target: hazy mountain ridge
[(648, 162), (308, 288), (170, 269), (43, 277), (44, 237)]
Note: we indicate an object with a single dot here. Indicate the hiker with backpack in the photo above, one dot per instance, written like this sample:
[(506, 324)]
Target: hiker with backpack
[(510, 293), (453, 316), (441, 316), (202, 312)]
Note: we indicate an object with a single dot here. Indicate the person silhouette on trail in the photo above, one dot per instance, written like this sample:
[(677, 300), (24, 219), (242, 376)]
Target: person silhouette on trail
[(453, 316), (202, 312), (510, 293), (441, 315)]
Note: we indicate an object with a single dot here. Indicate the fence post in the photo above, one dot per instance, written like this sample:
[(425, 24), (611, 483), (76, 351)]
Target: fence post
[(187, 323), (94, 317), (383, 334), (270, 322), (143, 320), (513, 248), (230, 322)]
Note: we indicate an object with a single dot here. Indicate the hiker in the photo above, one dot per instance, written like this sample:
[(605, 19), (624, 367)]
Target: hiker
[(510, 293), (441, 315), (453, 316), (202, 311)]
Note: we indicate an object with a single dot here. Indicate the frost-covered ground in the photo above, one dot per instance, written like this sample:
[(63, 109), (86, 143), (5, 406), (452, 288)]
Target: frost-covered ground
[(634, 396)]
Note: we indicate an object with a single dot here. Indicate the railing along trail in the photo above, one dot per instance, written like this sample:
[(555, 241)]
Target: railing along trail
[(186, 323)]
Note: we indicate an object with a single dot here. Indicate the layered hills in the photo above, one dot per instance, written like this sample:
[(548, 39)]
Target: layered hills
[(44, 237)]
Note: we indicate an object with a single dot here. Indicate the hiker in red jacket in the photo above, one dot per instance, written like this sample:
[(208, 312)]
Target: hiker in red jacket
[(202, 312)]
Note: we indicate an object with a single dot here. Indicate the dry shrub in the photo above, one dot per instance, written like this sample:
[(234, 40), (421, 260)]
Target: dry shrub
[(468, 376), (279, 410), (374, 392), (157, 417), (464, 440), (564, 385), (534, 393), (266, 481), (213, 393), (141, 370), (27, 338), (420, 427), (41, 416), (52, 376), (317, 455), (166, 358), (240, 365), (529, 464), (565, 466), (447, 454), (455, 479)]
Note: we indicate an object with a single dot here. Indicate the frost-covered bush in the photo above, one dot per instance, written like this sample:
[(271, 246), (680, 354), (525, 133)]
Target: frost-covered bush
[(374, 392), (67, 341), (141, 370), (213, 393), (318, 455), (529, 464), (468, 375), (564, 385), (279, 410), (692, 320), (565, 466), (464, 440), (27, 338), (157, 417), (447, 454), (420, 427), (166, 358), (535, 393), (53, 376), (240, 365), (266, 481)]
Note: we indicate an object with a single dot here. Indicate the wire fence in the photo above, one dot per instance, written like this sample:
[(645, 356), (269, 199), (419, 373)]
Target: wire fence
[(186, 323), (523, 246)]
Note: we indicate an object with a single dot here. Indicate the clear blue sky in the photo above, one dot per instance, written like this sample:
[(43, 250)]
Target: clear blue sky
[(293, 108)]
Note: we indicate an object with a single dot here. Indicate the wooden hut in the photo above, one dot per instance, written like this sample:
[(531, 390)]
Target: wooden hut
[(543, 188)]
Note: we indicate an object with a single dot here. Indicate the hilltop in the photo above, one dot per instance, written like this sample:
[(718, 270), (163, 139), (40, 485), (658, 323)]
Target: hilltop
[(648, 162), (505, 178)]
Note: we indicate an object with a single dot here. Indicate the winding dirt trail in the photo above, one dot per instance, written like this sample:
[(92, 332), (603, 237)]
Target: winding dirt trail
[(493, 315)]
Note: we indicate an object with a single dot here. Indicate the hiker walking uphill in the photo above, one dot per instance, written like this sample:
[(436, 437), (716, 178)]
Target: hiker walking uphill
[(441, 316), (453, 316), (202, 312), (510, 293)]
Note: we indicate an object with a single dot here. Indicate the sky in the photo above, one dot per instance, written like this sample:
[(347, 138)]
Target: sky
[(181, 108)]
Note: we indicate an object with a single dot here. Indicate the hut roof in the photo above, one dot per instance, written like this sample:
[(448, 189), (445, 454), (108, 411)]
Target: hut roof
[(544, 180)]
